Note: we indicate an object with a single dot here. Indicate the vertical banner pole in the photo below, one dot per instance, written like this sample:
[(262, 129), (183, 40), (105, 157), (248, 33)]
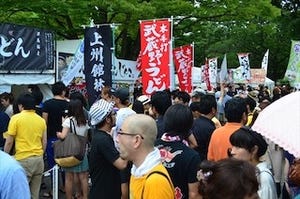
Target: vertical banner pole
[(193, 48), (172, 71), (55, 182), (113, 57), (193, 63)]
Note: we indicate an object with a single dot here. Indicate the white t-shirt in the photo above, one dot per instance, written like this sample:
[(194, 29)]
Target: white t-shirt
[(80, 130), (9, 110)]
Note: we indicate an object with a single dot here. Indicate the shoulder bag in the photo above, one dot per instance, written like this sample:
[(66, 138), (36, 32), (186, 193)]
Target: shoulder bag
[(70, 151)]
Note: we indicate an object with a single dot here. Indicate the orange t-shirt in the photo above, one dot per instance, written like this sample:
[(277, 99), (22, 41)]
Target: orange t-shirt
[(219, 141)]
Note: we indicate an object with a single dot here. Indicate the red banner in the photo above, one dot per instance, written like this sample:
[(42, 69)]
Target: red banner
[(183, 60), (155, 55)]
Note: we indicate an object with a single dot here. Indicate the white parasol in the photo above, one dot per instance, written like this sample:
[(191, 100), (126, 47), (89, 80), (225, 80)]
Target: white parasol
[(280, 123)]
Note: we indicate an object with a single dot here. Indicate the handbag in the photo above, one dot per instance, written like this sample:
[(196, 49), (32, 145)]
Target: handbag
[(70, 151), (294, 173)]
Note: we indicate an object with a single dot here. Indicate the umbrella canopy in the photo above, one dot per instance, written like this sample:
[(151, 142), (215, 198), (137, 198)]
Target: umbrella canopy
[(280, 123)]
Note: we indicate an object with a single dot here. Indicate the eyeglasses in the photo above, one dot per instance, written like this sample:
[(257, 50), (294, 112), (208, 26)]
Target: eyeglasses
[(120, 132)]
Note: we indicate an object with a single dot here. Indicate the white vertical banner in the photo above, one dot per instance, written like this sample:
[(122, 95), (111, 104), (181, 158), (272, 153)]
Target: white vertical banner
[(264, 63), (213, 70), (245, 65), (197, 75), (223, 71), (75, 66)]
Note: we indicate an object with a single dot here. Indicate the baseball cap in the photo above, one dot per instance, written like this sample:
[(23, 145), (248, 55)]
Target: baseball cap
[(122, 94), (144, 99), (253, 95), (100, 110)]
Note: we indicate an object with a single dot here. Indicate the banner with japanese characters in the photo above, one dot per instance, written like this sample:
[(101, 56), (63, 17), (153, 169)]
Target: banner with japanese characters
[(155, 54), (213, 70), (264, 63), (26, 49), (97, 59), (183, 59), (125, 70), (293, 68), (245, 65), (237, 75), (205, 75)]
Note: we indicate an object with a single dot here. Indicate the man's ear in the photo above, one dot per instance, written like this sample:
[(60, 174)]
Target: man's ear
[(213, 111), (20, 107), (153, 109), (136, 142), (108, 119)]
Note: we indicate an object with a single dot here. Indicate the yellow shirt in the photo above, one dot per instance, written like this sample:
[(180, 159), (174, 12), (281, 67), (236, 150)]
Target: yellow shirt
[(27, 128), (155, 186), (249, 119)]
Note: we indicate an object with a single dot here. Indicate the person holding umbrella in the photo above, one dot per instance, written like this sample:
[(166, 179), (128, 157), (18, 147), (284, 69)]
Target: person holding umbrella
[(279, 123)]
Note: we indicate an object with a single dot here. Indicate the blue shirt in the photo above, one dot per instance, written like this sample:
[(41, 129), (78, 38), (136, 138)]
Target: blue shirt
[(13, 180), (221, 105)]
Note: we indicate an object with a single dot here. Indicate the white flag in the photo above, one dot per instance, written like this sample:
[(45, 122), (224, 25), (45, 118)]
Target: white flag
[(245, 65), (75, 66), (264, 63), (223, 72)]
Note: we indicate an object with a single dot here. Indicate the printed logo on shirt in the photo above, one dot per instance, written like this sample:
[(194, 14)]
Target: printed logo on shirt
[(167, 156)]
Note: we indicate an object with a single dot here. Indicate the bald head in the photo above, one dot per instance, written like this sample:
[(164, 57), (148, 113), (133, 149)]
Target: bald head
[(144, 125)]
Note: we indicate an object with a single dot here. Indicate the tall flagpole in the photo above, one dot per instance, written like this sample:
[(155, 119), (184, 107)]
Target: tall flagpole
[(171, 63), (193, 63), (113, 57)]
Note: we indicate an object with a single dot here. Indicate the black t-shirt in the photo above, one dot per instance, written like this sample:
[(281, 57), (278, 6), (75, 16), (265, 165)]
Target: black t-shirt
[(106, 180), (56, 109), (160, 126), (4, 120), (202, 130), (182, 164)]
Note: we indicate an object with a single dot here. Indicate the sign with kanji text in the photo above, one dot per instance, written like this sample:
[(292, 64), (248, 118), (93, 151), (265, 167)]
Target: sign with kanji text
[(155, 55)]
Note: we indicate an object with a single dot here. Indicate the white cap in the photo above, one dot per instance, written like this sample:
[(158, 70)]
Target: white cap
[(144, 99)]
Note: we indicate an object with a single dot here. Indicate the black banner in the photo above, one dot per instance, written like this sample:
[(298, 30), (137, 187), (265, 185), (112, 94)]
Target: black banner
[(97, 60), (24, 49)]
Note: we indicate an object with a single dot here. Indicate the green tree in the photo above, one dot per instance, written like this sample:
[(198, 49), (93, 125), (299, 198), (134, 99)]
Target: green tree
[(215, 26)]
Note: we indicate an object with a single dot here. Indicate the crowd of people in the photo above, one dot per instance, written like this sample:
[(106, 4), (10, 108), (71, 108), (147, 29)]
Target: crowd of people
[(167, 145)]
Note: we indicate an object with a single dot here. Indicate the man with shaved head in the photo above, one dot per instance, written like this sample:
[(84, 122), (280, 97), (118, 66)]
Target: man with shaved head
[(136, 141)]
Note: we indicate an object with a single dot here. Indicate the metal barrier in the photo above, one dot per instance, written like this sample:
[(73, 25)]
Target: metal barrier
[(54, 180)]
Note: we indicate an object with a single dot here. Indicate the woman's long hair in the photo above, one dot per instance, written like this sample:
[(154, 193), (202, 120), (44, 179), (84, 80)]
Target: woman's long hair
[(75, 109)]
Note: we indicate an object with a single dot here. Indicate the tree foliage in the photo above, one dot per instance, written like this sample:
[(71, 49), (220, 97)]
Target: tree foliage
[(215, 26)]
